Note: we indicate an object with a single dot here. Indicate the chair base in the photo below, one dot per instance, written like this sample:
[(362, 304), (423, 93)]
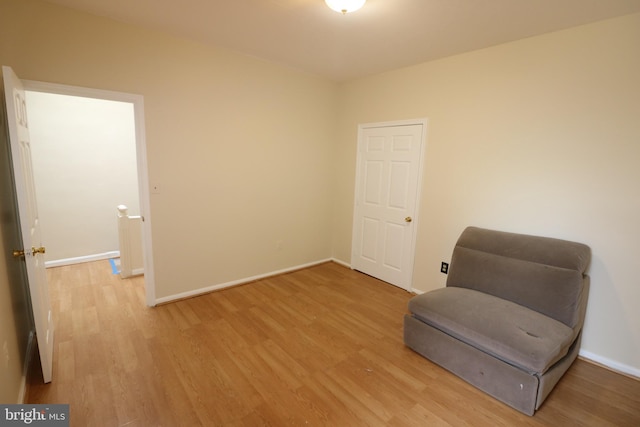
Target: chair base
[(519, 389)]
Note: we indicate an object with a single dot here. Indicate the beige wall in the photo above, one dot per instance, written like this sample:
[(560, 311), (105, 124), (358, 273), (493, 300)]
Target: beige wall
[(241, 148), (540, 136)]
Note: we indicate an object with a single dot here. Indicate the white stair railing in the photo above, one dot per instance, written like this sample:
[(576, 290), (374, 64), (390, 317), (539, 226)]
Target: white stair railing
[(130, 235)]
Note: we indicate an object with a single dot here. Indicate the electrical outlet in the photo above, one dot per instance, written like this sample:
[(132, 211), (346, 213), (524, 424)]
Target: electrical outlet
[(444, 267)]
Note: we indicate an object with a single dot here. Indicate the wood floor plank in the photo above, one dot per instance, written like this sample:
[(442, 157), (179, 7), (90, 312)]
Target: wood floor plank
[(417, 416), (327, 409), (348, 374), (170, 386), (65, 362), (349, 401), (320, 347)]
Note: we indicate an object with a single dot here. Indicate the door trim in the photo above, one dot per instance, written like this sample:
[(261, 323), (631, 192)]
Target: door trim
[(416, 217), (141, 158)]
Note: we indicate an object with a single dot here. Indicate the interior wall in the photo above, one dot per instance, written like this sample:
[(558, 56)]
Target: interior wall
[(84, 161), (240, 148), (539, 136)]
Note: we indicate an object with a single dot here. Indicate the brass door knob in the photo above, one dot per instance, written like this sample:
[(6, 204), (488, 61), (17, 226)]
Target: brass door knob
[(39, 250), (17, 253), (408, 219)]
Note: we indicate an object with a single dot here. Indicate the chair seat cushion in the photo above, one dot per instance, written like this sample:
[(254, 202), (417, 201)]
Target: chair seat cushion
[(510, 332)]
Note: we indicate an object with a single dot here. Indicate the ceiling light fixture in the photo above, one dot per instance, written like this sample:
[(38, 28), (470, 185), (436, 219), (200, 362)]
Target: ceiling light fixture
[(345, 6)]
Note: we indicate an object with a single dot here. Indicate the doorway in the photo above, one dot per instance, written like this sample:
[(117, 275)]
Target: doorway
[(388, 177), (84, 163), (130, 109)]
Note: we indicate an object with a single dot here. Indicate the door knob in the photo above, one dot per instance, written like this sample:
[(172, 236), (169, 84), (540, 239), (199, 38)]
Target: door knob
[(408, 219), (17, 253), (39, 250)]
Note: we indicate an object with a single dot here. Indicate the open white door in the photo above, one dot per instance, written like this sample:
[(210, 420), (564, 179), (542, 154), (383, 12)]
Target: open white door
[(385, 213), (28, 212)]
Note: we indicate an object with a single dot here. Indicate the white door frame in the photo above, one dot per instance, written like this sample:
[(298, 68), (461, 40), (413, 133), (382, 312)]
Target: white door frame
[(416, 216), (141, 158)]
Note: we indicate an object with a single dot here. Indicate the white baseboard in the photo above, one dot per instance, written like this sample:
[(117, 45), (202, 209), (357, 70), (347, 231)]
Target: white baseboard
[(208, 289), (342, 263), (611, 364), (81, 259)]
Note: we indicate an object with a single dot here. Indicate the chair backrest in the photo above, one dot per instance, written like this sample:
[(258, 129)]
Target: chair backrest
[(544, 274)]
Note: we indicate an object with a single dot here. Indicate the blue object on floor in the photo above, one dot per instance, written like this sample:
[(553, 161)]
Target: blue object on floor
[(115, 268)]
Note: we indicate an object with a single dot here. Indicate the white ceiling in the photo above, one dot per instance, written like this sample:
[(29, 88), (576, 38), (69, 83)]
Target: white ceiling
[(383, 35)]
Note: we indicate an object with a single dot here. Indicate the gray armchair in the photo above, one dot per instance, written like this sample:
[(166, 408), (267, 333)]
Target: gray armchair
[(510, 317)]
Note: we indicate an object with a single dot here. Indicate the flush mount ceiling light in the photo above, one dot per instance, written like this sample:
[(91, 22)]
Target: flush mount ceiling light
[(345, 6)]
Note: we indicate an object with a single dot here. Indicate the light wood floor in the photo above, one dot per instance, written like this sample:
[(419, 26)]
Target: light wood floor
[(321, 346)]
